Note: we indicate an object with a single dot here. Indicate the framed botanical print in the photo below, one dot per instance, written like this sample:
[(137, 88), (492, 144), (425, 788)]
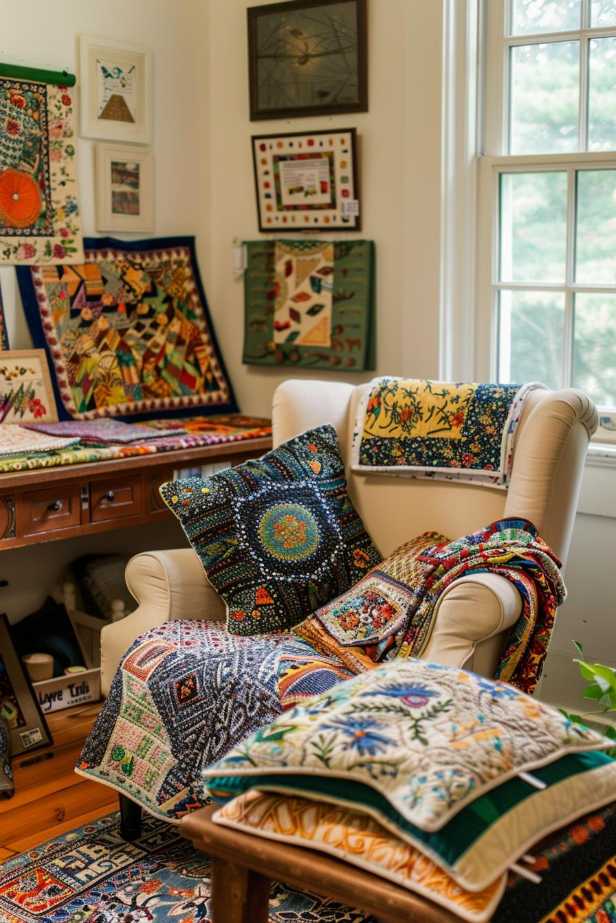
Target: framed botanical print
[(307, 180), (26, 393), (124, 188), (116, 92), (19, 706), (307, 57)]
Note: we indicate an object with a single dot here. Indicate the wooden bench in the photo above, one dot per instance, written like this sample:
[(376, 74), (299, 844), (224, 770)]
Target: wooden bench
[(244, 866)]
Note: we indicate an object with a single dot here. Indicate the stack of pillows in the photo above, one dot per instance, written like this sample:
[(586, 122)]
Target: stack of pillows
[(429, 776)]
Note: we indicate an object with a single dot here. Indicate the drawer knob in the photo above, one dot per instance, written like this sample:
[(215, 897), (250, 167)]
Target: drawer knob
[(56, 506), (109, 496)]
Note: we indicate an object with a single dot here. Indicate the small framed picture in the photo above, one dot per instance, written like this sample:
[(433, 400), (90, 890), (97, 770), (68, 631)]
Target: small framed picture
[(124, 188), (307, 180), (26, 394), (307, 57), (19, 706), (116, 91)]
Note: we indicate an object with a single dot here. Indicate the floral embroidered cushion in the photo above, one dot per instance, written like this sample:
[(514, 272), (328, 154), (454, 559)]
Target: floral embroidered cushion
[(483, 839), (358, 839), (278, 536), (429, 738)]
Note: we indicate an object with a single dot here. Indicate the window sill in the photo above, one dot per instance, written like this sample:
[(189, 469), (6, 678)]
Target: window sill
[(601, 455)]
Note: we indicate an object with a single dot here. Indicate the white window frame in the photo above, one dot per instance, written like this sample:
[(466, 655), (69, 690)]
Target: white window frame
[(494, 162)]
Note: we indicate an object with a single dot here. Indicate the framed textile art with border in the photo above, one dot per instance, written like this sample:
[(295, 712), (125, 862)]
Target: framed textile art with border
[(307, 57), (128, 332), (307, 180), (26, 393), (39, 211), (18, 704), (124, 188), (310, 304), (116, 91)]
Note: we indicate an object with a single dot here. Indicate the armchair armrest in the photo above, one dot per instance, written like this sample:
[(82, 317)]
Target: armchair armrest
[(167, 585), (470, 618)]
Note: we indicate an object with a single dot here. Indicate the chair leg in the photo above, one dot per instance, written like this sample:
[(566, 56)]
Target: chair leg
[(130, 819), (238, 894)]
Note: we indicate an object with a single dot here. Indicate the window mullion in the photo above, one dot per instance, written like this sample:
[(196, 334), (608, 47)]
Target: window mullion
[(567, 365), (586, 14), (583, 103)]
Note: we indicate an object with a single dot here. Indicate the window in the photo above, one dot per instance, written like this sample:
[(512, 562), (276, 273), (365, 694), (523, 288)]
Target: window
[(548, 195)]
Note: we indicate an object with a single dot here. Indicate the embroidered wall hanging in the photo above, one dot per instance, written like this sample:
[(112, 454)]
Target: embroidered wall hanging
[(310, 304), (39, 214), (128, 333)]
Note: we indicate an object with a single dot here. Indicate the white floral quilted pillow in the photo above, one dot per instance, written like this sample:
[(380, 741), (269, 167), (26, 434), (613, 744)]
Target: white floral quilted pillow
[(429, 738)]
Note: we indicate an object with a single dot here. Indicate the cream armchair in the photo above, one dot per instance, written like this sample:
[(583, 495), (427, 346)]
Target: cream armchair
[(551, 444)]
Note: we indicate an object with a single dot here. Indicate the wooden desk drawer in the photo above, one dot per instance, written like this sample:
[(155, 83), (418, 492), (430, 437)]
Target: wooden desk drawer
[(115, 498), (48, 510)]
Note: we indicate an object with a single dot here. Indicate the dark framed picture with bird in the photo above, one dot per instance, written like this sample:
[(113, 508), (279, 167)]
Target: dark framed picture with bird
[(307, 57)]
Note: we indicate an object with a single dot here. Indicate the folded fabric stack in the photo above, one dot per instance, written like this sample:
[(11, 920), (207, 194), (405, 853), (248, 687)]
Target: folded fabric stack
[(72, 442), (442, 782)]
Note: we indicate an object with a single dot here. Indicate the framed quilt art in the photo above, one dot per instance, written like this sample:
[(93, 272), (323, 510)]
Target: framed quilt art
[(124, 188), (307, 180), (307, 57), (128, 332), (26, 394), (39, 212), (116, 92), (18, 704), (310, 304)]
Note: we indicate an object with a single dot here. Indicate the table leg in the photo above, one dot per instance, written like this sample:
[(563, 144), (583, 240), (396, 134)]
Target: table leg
[(238, 894)]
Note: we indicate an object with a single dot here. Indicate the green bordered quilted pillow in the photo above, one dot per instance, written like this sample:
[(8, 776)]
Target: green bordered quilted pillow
[(430, 739), (487, 836), (278, 536)]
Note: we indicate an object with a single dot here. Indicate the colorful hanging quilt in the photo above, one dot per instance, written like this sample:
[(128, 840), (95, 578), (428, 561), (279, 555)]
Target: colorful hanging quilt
[(310, 304), (39, 214), (438, 429), (128, 333)]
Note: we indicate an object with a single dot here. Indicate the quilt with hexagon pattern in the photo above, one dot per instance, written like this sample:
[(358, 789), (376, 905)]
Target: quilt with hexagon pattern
[(128, 332)]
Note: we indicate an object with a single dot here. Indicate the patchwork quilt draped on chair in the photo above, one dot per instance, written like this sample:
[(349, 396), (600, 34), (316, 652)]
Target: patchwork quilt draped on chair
[(187, 691)]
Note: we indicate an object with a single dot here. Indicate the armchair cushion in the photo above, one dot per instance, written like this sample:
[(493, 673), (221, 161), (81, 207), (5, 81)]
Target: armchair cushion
[(277, 536)]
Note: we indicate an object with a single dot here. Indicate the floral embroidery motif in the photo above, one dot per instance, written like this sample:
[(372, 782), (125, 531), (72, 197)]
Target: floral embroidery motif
[(438, 429), (39, 213), (429, 738)]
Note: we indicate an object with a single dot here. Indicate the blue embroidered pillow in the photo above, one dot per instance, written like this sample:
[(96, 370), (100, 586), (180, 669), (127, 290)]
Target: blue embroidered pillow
[(278, 536)]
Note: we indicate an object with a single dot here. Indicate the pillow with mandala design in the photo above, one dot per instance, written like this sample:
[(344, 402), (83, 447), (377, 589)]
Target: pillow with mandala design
[(277, 536), (430, 739)]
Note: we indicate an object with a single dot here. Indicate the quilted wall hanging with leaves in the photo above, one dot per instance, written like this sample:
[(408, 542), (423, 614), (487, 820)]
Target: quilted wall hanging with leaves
[(128, 332), (39, 212), (310, 304)]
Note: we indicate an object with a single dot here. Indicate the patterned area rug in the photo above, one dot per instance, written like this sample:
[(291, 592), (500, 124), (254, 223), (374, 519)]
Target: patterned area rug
[(92, 876)]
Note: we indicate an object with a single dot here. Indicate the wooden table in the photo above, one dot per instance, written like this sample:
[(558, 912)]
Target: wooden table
[(50, 504), (244, 866)]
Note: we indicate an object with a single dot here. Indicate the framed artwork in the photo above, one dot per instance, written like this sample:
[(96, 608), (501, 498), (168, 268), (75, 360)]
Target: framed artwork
[(307, 180), (19, 706), (307, 57), (116, 92), (26, 394), (124, 188)]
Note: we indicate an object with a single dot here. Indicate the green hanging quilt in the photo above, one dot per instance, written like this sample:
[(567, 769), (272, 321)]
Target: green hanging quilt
[(310, 304)]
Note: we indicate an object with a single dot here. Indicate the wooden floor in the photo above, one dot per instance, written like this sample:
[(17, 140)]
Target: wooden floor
[(50, 799)]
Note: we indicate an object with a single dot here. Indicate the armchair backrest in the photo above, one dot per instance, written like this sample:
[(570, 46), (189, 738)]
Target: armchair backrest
[(551, 444)]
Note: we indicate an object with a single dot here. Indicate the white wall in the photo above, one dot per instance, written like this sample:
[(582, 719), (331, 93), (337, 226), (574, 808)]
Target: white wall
[(399, 167)]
